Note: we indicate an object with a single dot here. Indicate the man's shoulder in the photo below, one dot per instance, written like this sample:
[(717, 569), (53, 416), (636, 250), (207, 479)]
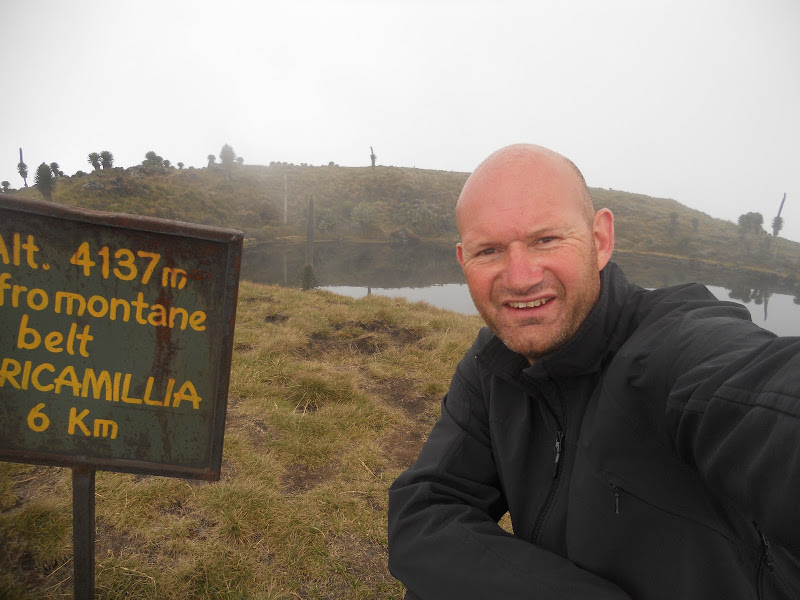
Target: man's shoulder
[(687, 300)]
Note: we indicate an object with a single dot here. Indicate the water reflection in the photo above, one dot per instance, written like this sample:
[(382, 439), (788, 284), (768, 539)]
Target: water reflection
[(429, 272)]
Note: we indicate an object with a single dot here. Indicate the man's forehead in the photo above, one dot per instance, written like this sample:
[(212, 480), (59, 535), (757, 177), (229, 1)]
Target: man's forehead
[(528, 175)]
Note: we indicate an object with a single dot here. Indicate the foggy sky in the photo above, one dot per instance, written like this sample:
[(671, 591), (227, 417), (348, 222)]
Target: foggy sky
[(698, 101)]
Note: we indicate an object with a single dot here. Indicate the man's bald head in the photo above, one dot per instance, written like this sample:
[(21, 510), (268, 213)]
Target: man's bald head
[(511, 162)]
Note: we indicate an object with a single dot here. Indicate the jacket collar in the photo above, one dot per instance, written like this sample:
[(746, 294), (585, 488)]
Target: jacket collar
[(598, 338)]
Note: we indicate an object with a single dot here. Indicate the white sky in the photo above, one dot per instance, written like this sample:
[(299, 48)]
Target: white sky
[(696, 100)]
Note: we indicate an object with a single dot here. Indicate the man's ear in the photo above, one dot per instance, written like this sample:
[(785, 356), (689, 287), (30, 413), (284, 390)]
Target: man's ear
[(460, 254), (603, 236)]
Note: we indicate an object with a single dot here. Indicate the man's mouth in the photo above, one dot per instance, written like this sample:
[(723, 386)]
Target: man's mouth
[(531, 304)]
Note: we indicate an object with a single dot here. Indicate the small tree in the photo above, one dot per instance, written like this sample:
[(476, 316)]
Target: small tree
[(240, 161), (106, 159), (227, 157), (45, 181), (751, 221), (56, 169), (94, 160), (6, 185), (23, 172), (212, 160), (166, 163), (151, 159), (180, 165)]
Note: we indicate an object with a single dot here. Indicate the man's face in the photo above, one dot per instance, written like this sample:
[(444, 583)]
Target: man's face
[(529, 254)]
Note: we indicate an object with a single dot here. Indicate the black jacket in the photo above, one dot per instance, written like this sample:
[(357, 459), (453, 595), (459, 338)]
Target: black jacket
[(654, 456)]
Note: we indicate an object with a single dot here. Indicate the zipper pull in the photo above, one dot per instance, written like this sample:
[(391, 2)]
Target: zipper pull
[(615, 487), (559, 439)]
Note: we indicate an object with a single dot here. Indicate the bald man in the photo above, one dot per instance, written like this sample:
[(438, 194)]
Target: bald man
[(646, 443)]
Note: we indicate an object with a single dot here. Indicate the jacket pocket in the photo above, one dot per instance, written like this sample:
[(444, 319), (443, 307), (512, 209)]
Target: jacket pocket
[(654, 547)]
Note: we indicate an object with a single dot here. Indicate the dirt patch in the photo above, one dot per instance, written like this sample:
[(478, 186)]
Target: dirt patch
[(41, 481), (277, 318), (362, 338), (257, 432), (400, 335), (362, 560), (402, 445), (299, 478), (400, 393)]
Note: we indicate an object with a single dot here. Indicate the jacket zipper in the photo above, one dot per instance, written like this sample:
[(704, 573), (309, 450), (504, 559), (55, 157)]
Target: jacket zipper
[(615, 488), (557, 450), (764, 563)]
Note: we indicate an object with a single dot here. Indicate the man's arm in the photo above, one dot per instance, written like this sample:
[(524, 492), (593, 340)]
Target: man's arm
[(733, 405), (444, 540), (736, 417)]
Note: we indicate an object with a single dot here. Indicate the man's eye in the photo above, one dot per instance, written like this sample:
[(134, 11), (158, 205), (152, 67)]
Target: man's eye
[(546, 240), (486, 252)]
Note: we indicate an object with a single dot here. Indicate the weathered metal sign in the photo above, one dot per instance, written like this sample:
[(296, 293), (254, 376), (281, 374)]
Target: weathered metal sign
[(115, 339)]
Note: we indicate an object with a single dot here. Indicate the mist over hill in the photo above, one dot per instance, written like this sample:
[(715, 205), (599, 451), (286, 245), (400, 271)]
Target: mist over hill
[(403, 205)]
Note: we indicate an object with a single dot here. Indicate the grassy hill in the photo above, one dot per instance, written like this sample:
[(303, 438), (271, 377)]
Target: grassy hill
[(392, 203)]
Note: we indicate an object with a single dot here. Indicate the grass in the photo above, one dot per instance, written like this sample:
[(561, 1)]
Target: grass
[(330, 399)]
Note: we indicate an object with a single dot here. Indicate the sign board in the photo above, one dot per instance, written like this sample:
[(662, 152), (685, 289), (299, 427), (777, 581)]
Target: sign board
[(116, 335)]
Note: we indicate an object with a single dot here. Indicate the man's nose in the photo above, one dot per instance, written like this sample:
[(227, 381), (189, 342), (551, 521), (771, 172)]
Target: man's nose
[(523, 268)]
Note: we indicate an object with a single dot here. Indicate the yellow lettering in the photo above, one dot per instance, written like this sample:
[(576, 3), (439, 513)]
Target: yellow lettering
[(147, 392), (168, 395), (43, 299), (103, 306), (35, 377), (70, 297), (197, 319), (52, 341), (126, 384), (4, 251), (188, 393), (15, 250), (126, 306), (158, 315), (26, 374), (170, 276), (77, 419), (97, 384), (30, 248), (24, 332), (9, 371), (18, 289), (117, 377), (101, 427), (68, 378), (4, 285), (178, 311)]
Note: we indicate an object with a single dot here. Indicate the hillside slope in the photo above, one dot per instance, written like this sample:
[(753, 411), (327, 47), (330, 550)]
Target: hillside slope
[(393, 204)]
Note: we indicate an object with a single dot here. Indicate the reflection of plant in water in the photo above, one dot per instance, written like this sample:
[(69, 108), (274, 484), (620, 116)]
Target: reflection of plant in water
[(747, 294), (308, 278)]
